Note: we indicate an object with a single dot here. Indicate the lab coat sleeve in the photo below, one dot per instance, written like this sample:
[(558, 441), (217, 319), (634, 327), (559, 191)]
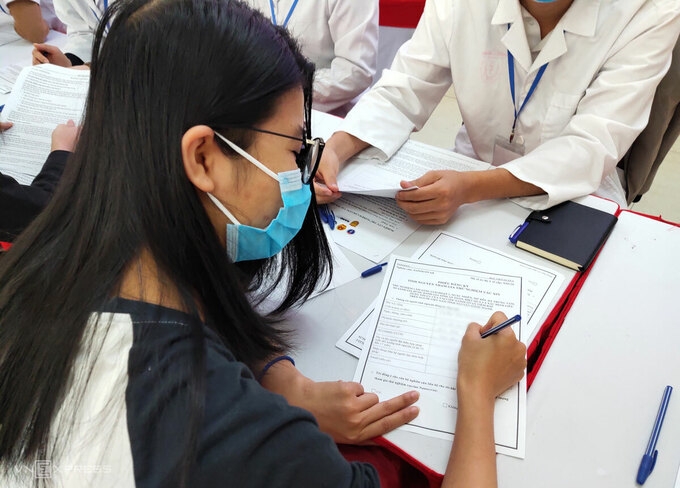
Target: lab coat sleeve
[(613, 111), (354, 28), (408, 92), (80, 31)]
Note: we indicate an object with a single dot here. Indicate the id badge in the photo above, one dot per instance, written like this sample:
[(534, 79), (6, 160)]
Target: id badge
[(505, 151)]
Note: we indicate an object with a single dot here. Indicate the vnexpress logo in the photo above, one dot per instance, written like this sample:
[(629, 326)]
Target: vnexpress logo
[(42, 469)]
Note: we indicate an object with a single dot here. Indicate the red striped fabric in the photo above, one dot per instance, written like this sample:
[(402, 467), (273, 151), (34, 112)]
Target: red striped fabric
[(401, 13)]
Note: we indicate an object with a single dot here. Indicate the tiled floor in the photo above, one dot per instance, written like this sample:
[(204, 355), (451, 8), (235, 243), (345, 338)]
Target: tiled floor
[(662, 199)]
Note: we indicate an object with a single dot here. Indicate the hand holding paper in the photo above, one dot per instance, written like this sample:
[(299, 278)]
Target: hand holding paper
[(368, 174), (342, 408)]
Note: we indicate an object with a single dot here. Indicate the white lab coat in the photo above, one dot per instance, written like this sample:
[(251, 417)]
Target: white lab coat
[(81, 18), (605, 59), (47, 10), (341, 38)]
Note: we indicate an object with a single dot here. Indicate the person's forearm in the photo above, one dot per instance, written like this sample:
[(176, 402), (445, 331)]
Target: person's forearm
[(286, 380), (28, 21), (473, 456), (497, 183), (345, 145)]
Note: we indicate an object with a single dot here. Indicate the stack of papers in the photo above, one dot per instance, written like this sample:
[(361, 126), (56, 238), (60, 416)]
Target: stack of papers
[(410, 337), (44, 96)]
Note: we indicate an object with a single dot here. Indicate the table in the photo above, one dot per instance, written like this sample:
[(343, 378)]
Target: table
[(592, 405)]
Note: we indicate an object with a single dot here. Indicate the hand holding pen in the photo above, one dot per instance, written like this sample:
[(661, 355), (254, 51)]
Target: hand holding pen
[(497, 328), (49, 54), (488, 367)]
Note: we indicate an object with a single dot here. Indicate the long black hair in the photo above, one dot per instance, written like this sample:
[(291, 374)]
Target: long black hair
[(164, 66)]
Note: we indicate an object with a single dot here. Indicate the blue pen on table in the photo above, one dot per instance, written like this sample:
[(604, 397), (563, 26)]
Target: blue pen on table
[(371, 271), (501, 326), (649, 458), (327, 216)]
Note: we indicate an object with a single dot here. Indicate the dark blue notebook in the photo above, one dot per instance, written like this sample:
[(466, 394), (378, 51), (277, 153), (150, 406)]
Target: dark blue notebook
[(570, 234)]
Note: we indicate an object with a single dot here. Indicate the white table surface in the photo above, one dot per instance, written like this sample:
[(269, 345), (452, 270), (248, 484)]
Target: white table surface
[(593, 403)]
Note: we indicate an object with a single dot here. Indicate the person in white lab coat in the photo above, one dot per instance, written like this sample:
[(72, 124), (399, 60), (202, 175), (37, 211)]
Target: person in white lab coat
[(81, 18), (33, 19), (593, 64), (340, 37)]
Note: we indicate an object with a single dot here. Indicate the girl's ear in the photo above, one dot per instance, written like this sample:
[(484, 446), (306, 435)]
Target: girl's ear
[(200, 154)]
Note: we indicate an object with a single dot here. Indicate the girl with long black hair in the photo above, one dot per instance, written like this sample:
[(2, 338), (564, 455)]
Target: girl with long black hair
[(130, 351)]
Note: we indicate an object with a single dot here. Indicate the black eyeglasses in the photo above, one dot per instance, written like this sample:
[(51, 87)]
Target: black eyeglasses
[(309, 156)]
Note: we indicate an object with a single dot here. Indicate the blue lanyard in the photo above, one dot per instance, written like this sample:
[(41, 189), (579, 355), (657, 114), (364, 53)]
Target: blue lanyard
[(96, 16), (511, 75), (290, 12)]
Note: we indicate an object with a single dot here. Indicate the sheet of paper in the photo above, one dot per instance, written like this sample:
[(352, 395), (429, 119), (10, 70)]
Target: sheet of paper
[(422, 313), (540, 286), (372, 227), (43, 97), (8, 77), (343, 272), (352, 341), (370, 176), (677, 479), (323, 124)]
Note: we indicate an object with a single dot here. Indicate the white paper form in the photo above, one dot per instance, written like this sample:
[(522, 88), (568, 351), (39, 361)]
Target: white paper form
[(540, 285), (372, 227), (43, 97), (422, 313), (372, 176)]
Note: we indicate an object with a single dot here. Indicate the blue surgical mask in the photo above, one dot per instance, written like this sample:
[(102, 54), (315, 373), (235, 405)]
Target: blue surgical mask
[(246, 243)]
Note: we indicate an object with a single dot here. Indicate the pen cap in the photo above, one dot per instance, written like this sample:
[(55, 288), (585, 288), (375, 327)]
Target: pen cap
[(371, 271), (646, 467)]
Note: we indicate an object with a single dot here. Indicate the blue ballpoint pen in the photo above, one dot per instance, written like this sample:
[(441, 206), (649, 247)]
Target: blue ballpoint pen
[(501, 326), (649, 459), (371, 271), (327, 216)]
